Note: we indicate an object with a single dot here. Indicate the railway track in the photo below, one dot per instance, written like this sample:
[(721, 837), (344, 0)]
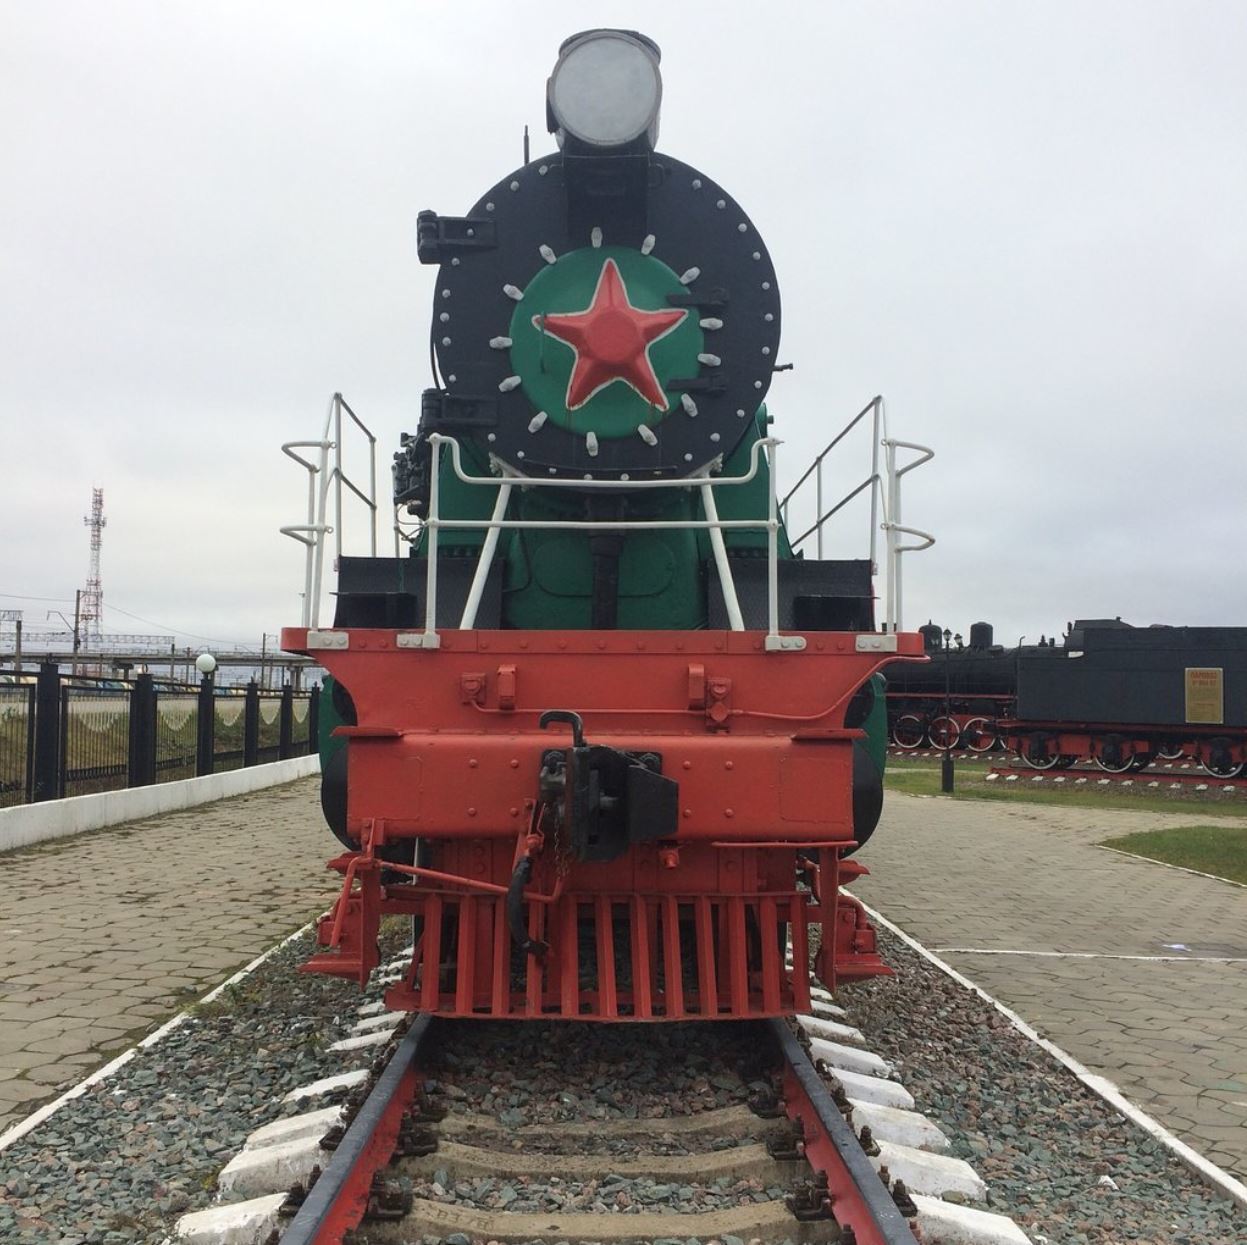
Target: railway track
[(1198, 779), (474, 1132), (1177, 773), (725, 1171)]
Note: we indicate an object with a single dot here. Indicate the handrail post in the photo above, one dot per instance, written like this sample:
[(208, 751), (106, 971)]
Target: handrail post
[(486, 559), (772, 546), (337, 475), (431, 524), (875, 487), (717, 544)]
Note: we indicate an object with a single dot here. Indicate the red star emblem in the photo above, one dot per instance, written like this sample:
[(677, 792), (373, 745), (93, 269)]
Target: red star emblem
[(611, 339)]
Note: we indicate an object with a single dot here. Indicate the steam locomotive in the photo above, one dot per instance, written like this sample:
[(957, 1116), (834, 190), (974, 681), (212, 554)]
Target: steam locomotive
[(1110, 693), (599, 732)]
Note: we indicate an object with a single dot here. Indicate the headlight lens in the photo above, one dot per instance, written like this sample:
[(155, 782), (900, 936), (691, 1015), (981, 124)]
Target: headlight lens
[(606, 89)]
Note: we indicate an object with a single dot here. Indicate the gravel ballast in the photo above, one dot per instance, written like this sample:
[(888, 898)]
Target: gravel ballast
[(1055, 1156), (123, 1161)]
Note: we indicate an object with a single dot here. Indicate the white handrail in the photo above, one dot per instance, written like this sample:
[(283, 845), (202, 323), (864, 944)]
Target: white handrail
[(885, 499), (321, 477), (497, 523)]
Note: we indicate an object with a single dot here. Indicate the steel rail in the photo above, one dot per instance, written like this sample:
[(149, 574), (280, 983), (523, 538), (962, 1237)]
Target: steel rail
[(859, 1199), (338, 1199)]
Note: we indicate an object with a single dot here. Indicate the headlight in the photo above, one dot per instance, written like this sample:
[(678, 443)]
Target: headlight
[(606, 89)]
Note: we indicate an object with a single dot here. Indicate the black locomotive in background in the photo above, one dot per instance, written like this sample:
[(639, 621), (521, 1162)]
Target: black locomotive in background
[(1107, 692)]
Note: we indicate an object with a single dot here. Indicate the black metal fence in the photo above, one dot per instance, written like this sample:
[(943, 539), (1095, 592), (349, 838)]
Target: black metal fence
[(73, 735)]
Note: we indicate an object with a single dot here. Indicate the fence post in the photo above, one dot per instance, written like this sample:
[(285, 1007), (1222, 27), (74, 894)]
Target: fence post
[(286, 722), (47, 775), (313, 721), (205, 740), (142, 767), (251, 725)]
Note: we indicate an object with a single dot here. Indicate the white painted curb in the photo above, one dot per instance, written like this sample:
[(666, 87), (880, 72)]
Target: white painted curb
[(56, 819), (1216, 1176)]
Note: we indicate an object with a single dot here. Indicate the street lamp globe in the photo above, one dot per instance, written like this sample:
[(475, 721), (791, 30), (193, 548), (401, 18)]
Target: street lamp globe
[(205, 663)]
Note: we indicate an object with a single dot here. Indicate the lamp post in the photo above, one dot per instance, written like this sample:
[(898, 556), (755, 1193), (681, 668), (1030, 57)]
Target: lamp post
[(946, 767)]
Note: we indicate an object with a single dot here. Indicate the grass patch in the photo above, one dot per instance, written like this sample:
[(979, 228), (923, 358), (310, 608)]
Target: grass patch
[(1220, 850), (971, 783)]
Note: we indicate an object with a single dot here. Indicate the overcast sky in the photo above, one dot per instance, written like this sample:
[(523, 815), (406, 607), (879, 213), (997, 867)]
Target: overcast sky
[(1025, 225)]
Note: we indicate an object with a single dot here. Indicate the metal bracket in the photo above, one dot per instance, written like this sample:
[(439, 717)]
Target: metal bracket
[(440, 237), (868, 642), (785, 643), (328, 639), (417, 639), (445, 412)]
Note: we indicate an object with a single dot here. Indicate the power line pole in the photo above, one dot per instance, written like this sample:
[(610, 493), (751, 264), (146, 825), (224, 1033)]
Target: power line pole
[(77, 623)]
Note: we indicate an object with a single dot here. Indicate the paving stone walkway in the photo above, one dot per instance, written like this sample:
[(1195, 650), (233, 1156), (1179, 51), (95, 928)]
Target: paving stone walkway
[(105, 935), (967, 877)]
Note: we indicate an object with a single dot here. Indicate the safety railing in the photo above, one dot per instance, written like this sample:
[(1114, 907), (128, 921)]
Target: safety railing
[(65, 735), (325, 475), (884, 483), (508, 478)]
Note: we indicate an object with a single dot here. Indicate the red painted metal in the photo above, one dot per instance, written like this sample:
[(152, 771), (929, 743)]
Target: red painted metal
[(447, 749), (349, 1207)]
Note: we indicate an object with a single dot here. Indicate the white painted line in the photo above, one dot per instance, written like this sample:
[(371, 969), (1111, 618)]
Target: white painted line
[(1096, 955), (22, 1127), (1216, 1176), (1164, 864)]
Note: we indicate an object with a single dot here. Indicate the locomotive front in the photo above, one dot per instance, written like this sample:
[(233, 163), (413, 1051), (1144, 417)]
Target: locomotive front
[(602, 735)]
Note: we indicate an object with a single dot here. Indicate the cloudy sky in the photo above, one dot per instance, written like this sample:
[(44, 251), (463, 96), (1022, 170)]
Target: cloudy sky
[(1026, 225)]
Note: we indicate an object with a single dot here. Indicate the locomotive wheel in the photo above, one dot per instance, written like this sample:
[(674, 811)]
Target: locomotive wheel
[(1141, 760), (944, 732), (1171, 752), (1126, 763), (979, 735), (1066, 760), (1044, 762), (1225, 769), (909, 731)]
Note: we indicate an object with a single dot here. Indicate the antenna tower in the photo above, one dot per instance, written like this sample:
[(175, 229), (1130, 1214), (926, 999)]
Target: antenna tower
[(92, 604)]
